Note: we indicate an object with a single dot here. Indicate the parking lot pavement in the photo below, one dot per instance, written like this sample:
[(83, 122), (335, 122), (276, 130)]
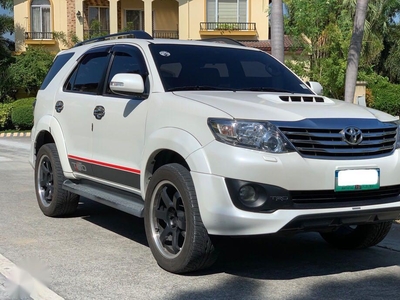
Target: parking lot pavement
[(392, 240)]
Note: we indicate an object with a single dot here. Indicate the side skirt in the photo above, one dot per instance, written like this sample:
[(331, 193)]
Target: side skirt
[(128, 202)]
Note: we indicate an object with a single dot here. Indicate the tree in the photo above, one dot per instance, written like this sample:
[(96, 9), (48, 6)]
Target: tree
[(326, 28), (355, 50), (7, 4), (6, 26), (30, 69), (324, 41), (277, 45)]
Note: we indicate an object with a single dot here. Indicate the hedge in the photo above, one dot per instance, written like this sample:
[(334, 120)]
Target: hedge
[(17, 115), (22, 117), (5, 116)]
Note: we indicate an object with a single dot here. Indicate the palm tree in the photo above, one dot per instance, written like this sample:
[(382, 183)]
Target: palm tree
[(7, 4), (277, 46), (355, 50)]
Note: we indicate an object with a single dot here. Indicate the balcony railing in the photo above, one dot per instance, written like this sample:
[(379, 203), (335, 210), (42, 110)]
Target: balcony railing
[(227, 26), (39, 36), (88, 34), (166, 34)]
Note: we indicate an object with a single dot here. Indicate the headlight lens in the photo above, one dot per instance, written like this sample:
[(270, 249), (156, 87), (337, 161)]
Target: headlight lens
[(261, 136)]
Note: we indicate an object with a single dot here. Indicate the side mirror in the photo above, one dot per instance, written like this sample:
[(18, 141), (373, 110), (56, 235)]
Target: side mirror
[(123, 83), (316, 87)]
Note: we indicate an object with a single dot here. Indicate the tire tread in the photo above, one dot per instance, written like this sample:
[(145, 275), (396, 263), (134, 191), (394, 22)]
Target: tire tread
[(63, 202), (202, 253)]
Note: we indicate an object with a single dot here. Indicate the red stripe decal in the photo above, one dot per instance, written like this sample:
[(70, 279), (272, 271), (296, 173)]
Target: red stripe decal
[(103, 164)]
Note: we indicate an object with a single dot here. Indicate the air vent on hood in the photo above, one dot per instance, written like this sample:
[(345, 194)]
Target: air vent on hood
[(301, 99)]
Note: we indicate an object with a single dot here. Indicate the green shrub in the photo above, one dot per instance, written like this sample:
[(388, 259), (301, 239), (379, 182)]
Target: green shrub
[(5, 115), (22, 117), (385, 96), (13, 117), (24, 102)]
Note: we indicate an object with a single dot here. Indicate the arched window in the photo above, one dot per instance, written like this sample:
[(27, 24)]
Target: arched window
[(40, 19)]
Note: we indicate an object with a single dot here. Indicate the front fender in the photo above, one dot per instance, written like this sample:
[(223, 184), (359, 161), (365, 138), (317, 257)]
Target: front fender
[(179, 141)]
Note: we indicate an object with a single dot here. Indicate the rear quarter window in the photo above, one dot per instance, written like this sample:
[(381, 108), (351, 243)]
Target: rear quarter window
[(58, 63)]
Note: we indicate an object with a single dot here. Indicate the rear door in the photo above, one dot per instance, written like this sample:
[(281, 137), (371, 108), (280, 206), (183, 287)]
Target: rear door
[(74, 107)]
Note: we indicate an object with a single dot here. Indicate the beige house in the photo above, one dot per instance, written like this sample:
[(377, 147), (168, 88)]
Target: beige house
[(40, 22)]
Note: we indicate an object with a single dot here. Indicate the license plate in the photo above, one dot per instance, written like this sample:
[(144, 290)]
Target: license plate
[(357, 180)]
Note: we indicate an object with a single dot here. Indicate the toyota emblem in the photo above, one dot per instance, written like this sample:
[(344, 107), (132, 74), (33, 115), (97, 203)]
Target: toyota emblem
[(352, 135)]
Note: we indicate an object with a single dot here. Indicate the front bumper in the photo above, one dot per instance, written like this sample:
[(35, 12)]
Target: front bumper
[(292, 172), (221, 217)]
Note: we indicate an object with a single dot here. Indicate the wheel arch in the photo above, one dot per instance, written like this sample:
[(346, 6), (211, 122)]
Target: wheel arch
[(48, 130), (171, 145)]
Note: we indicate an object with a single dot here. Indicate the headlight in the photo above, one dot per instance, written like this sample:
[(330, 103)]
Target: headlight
[(262, 136)]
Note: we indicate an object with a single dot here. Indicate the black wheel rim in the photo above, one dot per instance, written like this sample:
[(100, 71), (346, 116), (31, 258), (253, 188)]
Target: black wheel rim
[(168, 217), (45, 183)]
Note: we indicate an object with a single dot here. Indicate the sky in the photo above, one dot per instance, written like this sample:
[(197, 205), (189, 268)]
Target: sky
[(2, 12)]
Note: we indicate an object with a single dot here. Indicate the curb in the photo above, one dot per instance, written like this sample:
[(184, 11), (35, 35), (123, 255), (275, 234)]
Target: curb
[(15, 134)]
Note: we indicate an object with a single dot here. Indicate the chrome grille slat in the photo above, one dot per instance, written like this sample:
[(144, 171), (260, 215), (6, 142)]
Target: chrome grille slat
[(328, 142), (345, 151), (342, 143)]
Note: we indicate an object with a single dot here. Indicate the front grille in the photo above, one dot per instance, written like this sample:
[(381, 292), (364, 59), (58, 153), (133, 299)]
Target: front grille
[(330, 198), (329, 143)]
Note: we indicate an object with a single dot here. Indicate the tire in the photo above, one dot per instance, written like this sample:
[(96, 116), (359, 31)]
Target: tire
[(53, 200), (358, 237), (174, 229)]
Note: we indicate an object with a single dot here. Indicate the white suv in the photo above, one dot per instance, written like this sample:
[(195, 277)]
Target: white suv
[(208, 139)]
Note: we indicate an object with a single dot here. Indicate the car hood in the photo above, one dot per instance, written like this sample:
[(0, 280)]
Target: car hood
[(282, 106)]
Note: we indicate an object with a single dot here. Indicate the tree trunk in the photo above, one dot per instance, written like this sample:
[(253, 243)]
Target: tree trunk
[(277, 46), (355, 50)]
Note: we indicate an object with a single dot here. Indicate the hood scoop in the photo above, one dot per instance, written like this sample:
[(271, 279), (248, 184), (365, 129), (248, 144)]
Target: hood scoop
[(302, 99)]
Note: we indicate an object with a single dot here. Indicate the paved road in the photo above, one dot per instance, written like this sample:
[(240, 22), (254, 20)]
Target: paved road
[(101, 253)]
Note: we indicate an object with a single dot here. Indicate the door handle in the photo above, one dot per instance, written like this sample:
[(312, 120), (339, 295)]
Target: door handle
[(59, 106), (99, 112)]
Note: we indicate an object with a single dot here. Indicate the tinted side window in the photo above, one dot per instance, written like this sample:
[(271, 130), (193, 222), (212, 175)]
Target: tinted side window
[(126, 60), (58, 63), (89, 73)]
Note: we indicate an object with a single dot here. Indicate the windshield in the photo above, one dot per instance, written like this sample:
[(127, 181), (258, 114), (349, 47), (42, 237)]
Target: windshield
[(190, 67)]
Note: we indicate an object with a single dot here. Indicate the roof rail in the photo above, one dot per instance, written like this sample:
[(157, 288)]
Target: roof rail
[(223, 40), (137, 34)]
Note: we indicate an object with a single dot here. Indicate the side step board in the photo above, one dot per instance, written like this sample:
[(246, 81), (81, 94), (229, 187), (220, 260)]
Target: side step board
[(128, 202)]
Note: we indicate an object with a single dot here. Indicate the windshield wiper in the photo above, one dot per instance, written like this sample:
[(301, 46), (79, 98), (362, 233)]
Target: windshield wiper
[(265, 89), (198, 88)]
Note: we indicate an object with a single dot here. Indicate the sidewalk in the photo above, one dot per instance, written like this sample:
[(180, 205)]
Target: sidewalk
[(10, 291)]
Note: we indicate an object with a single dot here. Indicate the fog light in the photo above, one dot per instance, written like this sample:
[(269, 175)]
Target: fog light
[(247, 193)]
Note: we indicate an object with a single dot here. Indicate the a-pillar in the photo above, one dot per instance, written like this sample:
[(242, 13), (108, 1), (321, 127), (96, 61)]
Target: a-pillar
[(79, 20), (113, 16), (148, 16)]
